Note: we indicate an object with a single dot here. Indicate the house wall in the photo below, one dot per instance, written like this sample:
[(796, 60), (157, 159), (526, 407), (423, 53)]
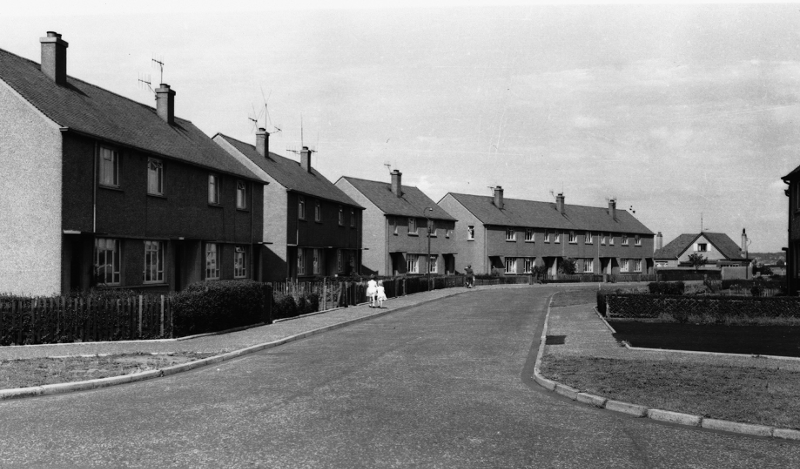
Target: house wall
[(712, 255), (30, 198), (401, 240), (375, 257), (470, 252)]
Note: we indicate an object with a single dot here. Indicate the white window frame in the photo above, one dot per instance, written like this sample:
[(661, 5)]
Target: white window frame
[(637, 265), (213, 189), (448, 232), (153, 262), (240, 262), (433, 264), (602, 239), (588, 266), (511, 265), (317, 211), (316, 261), (393, 223), (573, 237), (624, 240), (637, 240), (412, 263), (624, 265), (301, 207), (698, 248), (108, 167), (527, 264), (241, 195), (511, 234), (546, 236), (412, 222), (471, 233), (155, 176), (212, 261), (557, 238), (105, 248), (588, 238), (530, 235), (611, 239), (432, 228)]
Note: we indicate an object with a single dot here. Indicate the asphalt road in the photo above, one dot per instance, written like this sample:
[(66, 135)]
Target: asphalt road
[(441, 385)]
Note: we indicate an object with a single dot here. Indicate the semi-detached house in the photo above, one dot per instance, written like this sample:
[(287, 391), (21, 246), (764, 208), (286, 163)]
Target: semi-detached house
[(99, 190), (511, 236)]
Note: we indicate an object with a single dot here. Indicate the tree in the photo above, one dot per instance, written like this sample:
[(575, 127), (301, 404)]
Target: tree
[(567, 266), (697, 260)]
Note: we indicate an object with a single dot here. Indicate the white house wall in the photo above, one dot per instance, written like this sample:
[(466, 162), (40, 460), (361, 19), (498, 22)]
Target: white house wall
[(374, 229), (30, 198)]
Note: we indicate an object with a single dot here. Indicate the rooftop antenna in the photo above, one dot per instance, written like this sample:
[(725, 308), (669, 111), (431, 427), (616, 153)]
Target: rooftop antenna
[(295, 150), (254, 119), (144, 81), (267, 119), (388, 166), (159, 61), (552, 194)]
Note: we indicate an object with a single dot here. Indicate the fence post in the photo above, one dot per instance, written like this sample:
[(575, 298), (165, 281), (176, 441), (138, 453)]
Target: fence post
[(162, 316), (140, 316)]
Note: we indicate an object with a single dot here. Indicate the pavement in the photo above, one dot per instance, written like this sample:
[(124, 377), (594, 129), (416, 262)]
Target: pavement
[(588, 334)]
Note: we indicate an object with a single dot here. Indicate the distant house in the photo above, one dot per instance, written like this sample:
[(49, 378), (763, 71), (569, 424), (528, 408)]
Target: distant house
[(395, 236), (101, 191), (717, 249), (511, 236), (311, 228)]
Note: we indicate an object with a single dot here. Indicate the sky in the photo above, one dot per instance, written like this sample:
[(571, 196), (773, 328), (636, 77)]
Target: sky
[(680, 112)]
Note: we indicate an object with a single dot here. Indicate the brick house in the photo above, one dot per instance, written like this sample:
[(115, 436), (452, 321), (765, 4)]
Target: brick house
[(793, 218), (311, 228), (99, 190), (511, 236), (718, 249), (395, 238)]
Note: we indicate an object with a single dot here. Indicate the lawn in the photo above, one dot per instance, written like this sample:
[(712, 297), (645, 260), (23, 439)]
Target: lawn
[(40, 371), (741, 394)]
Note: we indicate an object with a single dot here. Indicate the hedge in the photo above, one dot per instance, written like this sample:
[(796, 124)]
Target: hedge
[(630, 305), (666, 288), (219, 305)]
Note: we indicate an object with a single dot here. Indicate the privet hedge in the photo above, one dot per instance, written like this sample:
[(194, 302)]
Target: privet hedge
[(219, 305), (666, 288), (629, 305)]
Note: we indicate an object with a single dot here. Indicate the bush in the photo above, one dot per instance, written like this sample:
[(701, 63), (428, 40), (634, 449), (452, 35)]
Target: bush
[(284, 306), (220, 305), (666, 288)]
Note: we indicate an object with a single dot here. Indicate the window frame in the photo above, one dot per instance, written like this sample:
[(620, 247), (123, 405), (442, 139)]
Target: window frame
[(317, 211), (149, 255), (316, 261), (547, 236), (611, 239), (432, 228), (624, 241), (588, 266), (602, 239), (116, 261), (573, 237), (213, 189), (637, 240), (588, 238), (557, 238), (637, 265), (433, 264), (530, 235), (697, 247), (625, 265), (412, 263), (301, 207), (470, 232), (101, 170), (528, 264), (241, 195), (301, 261), (511, 234), (240, 262), (212, 269), (159, 176), (412, 222), (510, 262)]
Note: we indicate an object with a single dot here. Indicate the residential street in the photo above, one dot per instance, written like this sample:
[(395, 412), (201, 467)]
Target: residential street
[(444, 384)]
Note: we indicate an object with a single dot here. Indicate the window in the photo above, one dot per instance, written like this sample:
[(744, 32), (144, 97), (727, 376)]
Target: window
[(412, 263), (624, 240), (433, 265), (213, 189), (702, 247), (341, 216), (106, 261), (529, 235), (637, 265), (153, 262), (610, 239), (352, 218), (511, 265), (432, 228), (588, 266), (637, 240), (241, 195), (412, 226), (573, 238), (317, 211), (301, 261), (448, 232), (470, 233), (109, 167), (511, 234), (316, 261), (603, 239), (527, 266), (301, 207), (240, 262), (624, 266), (588, 238), (557, 237), (212, 262), (393, 223), (546, 236), (339, 261), (155, 177)]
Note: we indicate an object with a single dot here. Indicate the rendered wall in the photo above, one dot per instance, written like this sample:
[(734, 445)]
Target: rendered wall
[(30, 198), (374, 258)]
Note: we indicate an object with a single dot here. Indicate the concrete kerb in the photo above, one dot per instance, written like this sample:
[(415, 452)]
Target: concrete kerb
[(653, 414), (60, 388)]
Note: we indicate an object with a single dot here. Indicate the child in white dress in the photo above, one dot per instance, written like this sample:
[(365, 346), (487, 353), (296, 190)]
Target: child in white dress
[(372, 292), (381, 294)]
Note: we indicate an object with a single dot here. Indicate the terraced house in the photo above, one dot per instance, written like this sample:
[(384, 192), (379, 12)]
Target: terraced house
[(396, 218), (511, 236), (311, 228), (99, 190)]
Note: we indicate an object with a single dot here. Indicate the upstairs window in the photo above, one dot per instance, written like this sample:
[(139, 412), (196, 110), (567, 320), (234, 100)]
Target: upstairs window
[(470, 233), (588, 238), (573, 238), (155, 177), (624, 240), (412, 226), (241, 195), (317, 211), (529, 235), (432, 228), (213, 189), (301, 207), (448, 232), (611, 239), (546, 236), (511, 234), (637, 240), (557, 237), (108, 167), (393, 224), (702, 247), (603, 238)]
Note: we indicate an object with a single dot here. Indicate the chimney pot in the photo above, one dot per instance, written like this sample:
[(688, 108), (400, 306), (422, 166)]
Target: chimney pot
[(612, 209), (498, 197), (54, 57), (262, 142), (305, 159), (659, 241), (165, 103), (397, 187), (560, 203)]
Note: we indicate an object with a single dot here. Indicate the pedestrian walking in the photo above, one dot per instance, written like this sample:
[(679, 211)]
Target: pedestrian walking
[(470, 280), (381, 294), (372, 291)]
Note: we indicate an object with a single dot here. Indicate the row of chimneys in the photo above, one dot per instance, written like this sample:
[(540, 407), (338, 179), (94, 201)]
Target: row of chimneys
[(54, 65), (498, 202)]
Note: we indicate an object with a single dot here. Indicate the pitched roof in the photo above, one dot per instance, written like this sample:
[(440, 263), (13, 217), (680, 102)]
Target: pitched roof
[(412, 203), (91, 110), (531, 213), (724, 244), (290, 174)]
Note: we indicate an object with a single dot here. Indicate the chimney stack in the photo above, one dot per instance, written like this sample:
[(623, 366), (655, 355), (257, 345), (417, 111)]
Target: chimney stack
[(498, 197), (165, 103), (659, 241), (397, 188), (262, 142), (54, 57), (305, 159), (744, 243), (560, 203), (612, 209)]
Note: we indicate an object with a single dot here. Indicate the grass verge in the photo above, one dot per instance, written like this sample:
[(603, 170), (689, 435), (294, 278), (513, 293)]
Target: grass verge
[(750, 395), (40, 371)]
